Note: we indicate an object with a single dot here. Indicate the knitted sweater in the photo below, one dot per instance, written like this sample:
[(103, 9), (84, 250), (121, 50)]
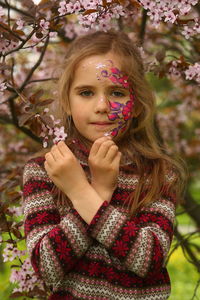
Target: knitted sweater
[(115, 257)]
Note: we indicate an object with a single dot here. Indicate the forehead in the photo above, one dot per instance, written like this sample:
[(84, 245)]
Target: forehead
[(93, 65)]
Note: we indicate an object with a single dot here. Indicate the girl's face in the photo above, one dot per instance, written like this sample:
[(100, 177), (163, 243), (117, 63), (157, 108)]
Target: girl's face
[(101, 98)]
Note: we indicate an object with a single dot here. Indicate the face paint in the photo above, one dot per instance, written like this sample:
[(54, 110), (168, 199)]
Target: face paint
[(120, 111)]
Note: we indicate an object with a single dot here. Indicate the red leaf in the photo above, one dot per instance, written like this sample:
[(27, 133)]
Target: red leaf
[(89, 11), (17, 294), (44, 102), (36, 96), (24, 118)]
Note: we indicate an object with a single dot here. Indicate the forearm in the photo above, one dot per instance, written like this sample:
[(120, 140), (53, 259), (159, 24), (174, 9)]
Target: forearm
[(106, 195), (87, 202)]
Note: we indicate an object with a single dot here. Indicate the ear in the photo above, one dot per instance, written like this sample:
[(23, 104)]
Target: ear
[(68, 110)]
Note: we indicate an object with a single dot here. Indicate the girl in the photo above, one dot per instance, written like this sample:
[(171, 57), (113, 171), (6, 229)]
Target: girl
[(100, 207)]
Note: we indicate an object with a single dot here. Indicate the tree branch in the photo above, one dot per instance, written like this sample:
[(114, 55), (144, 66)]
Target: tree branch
[(192, 208), (143, 26), (5, 120), (186, 246), (16, 9), (21, 45), (11, 98), (11, 32)]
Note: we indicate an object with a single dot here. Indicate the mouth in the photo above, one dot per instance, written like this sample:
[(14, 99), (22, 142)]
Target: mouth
[(101, 125)]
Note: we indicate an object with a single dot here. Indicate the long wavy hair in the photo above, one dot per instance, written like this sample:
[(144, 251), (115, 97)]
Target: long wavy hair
[(142, 142)]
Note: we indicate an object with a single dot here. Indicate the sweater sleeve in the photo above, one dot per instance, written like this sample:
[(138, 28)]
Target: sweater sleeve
[(54, 243), (139, 244)]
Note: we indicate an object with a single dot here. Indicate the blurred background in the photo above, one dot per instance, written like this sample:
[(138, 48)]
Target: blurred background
[(33, 38)]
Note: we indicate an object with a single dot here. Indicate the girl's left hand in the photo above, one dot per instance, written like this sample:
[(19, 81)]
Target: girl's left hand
[(65, 170)]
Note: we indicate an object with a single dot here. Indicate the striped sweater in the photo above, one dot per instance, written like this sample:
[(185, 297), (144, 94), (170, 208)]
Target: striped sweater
[(115, 257)]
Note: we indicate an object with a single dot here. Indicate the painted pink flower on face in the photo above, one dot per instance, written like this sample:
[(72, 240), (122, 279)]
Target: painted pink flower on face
[(120, 111), (127, 110)]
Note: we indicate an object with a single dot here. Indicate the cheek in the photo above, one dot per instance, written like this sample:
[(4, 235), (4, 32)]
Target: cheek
[(122, 111)]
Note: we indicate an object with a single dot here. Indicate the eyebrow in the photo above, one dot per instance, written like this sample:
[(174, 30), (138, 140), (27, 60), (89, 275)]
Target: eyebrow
[(80, 87)]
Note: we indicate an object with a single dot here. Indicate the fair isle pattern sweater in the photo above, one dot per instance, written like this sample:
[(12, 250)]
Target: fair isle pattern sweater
[(115, 257)]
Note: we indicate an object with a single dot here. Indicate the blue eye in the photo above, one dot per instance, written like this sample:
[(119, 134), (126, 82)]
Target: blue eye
[(117, 94), (86, 93)]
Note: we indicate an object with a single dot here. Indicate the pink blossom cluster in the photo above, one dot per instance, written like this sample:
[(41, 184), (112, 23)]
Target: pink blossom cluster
[(25, 278), (20, 24), (7, 45), (172, 122), (17, 147), (174, 69), (2, 12), (167, 10), (3, 87), (100, 19), (17, 211), (10, 252), (192, 29), (193, 72), (58, 132)]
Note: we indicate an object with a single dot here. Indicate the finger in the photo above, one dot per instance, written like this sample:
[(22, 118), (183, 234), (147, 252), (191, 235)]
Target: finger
[(104, 148), (112, 152), (116, 160), (118, 157), (63, 148), (49, 159), (47, 167), (96, 145), (56, 153)]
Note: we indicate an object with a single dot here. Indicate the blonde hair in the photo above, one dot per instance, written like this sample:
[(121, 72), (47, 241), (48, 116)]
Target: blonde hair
[(142, 142)]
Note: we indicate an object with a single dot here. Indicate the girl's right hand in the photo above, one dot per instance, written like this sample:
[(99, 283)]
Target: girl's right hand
[(104, 160)]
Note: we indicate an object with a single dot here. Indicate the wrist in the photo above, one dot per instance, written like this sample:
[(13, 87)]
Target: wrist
[(86, 202), (77, 191), (104, 193)]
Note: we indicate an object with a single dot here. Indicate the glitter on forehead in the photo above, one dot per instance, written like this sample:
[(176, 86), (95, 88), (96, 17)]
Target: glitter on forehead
[(100, 65)]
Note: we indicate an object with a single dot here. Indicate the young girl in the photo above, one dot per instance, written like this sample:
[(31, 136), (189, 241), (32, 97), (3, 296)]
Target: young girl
[(100, 207)]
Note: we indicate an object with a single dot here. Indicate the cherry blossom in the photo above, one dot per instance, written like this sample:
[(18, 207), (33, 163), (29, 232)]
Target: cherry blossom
[(164, 10), (60, 134), (20, 24), (2, 12), (44, 24), (25, 277), (17, 211), (3, 87), (70, 30), (10, 252), (192, 29), (63, 9), (193, 72)]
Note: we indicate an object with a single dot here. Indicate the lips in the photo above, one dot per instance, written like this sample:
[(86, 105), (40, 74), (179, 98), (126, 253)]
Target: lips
[(101, 123)]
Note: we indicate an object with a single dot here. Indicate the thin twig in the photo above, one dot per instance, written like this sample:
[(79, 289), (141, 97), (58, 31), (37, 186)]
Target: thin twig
[(36, 65), (143, 26), (25, 13), (11, 32), (21, 45), (40, 80), (8, 7), (195, 290)]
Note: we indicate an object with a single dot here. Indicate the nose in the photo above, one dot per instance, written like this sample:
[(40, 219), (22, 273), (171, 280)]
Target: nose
[(102, 105)]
